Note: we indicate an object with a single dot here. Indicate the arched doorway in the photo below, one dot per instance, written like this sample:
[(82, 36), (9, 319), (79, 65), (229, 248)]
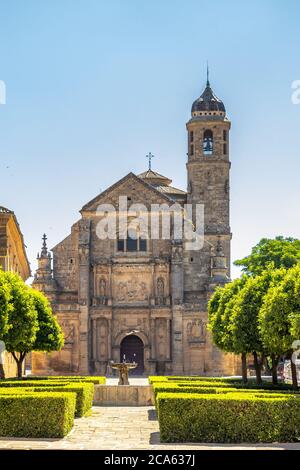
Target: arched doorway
[(132, 349)]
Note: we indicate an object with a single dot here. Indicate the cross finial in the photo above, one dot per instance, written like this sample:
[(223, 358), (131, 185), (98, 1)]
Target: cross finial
[(44, 247), (149, 156)]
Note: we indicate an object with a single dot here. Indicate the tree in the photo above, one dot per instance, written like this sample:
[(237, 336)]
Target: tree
[(49, 336), (219, 314), (279, 317), (275, 253), (22, 320), (4, 311), (244, 318)]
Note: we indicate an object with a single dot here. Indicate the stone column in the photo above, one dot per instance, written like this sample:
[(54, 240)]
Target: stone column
[(177, 286), (84, 293)]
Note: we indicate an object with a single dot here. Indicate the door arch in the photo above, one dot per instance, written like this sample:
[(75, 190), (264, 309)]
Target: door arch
[(132, 349)]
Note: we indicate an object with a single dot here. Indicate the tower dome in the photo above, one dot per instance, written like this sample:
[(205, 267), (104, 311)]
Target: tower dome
[(208, 104)]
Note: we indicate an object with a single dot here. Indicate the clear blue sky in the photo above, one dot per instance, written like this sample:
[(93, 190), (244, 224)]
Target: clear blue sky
[(94, 85)]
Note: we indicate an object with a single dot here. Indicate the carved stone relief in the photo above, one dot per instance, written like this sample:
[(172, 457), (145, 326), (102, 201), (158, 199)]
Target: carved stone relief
[(132, 291), (196, 331)]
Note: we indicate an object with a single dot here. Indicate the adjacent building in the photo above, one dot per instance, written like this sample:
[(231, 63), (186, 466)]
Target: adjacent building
[(12, 258)]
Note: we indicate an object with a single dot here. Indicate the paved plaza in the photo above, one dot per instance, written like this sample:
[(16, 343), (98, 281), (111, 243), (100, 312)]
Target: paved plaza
[(117, 428)]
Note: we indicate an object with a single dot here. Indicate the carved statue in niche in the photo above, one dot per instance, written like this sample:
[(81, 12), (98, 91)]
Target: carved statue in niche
[(160, 287), (102, 287), (102, 291), (196, 331)]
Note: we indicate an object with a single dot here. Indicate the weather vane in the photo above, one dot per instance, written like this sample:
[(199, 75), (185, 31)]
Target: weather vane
[(149, 156)]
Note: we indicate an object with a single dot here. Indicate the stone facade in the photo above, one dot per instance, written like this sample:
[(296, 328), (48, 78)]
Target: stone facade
[(12, 258), (112, 295)]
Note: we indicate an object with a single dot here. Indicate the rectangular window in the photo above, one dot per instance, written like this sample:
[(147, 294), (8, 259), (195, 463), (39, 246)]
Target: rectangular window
[(225, 136), (121, 244), (225, 149), (131, 244), (192, 136), (192, 149), (143, 244)]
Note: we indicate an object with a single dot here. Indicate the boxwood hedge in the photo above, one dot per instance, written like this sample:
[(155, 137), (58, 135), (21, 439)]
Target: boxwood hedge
[(59, 378), (230, 417), (84, 393), (36, 414)]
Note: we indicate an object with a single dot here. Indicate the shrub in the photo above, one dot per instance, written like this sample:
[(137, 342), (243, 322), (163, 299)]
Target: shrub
[(29, 383), (58, 378), (84, 395), (230, 417), (96, 380), (179, 388), (84, 392), (36, 414)]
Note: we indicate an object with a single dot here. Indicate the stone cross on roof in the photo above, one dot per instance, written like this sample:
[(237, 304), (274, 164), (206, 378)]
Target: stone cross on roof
[(149, 156)]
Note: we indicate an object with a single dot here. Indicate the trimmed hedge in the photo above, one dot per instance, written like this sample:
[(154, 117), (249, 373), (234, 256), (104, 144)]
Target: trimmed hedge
[(84, 393), (29, 384), (178, 388), (96, 380), (36, 414), (230, 417), (181, 378), (217, 382)]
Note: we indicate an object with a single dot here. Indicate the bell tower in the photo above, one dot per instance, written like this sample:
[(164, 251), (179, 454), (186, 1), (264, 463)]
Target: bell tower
[(208, 168)]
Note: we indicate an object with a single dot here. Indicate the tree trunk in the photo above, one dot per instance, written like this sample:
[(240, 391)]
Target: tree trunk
[(244, 368), (275, 361), (2, 372), (294, 375), (257, 366), (19, 360), (268, 369)]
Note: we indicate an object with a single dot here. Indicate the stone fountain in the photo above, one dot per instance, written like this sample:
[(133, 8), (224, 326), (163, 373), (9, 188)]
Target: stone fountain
[(123, 368)]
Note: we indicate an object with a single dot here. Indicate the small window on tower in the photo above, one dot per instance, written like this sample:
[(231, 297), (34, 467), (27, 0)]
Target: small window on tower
[(192, 149), (192, 136), (225, 149), (225, 136), (208, 142)]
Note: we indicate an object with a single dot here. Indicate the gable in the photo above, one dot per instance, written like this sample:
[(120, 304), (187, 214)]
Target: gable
[(133, 188)]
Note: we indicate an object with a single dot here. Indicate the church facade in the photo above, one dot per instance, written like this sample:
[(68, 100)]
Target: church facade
[(137, 297)]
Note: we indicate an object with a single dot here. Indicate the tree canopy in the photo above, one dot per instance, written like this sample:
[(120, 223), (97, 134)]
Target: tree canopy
[(26, 320), (274, 253), (49, 336)]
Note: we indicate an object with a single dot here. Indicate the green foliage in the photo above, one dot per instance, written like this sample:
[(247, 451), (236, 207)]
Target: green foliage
[(229, 417), (279, 316), (271, 253), (96, 380), (219, 314), (84, 394), (46, 415), (5, 305), (28, 383), (22, 318), (245, 311), (49, 336)]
